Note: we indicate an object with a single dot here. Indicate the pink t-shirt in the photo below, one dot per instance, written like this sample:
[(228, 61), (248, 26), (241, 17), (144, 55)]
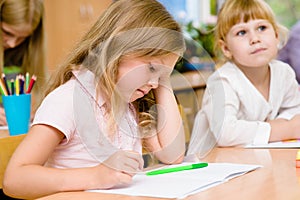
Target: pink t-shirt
[(73, 109)]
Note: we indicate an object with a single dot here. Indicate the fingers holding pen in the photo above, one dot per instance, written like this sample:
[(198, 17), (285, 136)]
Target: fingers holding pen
[(118, 169), (134, 163), (129, 162)]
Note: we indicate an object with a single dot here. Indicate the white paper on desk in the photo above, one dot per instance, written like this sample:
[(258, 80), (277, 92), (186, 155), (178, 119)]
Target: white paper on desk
[(294, 144), (183, 183), (3, 127)]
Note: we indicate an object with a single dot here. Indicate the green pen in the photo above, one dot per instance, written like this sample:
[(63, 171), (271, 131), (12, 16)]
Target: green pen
[(177, 169)]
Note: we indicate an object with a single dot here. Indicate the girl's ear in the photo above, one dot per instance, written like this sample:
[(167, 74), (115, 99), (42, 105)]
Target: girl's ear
[(225, 49), (278, 42)]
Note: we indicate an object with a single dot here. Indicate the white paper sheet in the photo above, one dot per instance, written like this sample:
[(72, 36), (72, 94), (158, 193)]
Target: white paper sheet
[(3, 127), (183, 183), (291, 144)]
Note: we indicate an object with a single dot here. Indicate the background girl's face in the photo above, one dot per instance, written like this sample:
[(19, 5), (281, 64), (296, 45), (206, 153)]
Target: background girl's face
[(251, 44), (137, 76), (14, 35)]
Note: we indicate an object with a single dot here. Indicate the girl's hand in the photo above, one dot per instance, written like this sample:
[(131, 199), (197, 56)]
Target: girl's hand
[(165, 81), (119, 169), (2, 117), (282, 129), (296, 126), (128, 162)]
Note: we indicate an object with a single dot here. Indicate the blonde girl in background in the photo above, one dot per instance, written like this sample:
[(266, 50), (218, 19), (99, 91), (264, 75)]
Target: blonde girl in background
[(109, 99), (22, 46), (252, 98)]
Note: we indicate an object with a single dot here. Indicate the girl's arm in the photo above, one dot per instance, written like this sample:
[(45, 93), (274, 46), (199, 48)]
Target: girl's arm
[(27, 177), (168, 144), (282, 129), (2, 117)]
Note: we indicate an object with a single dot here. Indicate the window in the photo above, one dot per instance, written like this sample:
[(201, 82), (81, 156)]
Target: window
[(184, 11)]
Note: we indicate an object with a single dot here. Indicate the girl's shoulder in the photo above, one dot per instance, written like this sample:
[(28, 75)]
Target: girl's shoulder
[(226, 71), (65, 88), (81, 78), (280, 64), (281, 68), (61, 95)]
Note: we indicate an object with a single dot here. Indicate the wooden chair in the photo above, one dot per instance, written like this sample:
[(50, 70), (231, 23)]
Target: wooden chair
[(7, 147), (185, 124)]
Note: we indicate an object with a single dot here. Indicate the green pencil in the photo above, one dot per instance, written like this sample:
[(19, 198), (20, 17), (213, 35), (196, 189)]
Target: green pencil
[(26, 81), (177, 169)]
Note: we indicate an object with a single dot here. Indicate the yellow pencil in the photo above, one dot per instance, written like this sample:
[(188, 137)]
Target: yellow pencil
[(17, 85)]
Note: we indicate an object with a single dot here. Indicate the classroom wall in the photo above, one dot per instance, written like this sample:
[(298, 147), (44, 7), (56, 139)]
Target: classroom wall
[(65, 22)]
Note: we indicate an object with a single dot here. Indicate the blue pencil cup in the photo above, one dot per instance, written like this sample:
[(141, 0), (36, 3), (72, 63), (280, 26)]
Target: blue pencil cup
[(17, 110)]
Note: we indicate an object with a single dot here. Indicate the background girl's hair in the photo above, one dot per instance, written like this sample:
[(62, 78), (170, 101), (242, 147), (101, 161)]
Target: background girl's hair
[(233, 11), (141, 28), (20, 12)]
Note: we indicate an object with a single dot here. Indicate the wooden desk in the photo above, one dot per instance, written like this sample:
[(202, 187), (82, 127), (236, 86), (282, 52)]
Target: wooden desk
[(192, 80), (278, 179)]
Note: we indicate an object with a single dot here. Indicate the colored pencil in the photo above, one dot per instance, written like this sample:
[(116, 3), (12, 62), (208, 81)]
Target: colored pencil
[(17, 85), (5, 83), (26, 81), (3, 88), (12, 86), (31, 83), (21, 80)]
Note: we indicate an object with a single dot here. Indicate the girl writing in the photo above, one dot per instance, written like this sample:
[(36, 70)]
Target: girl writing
[(109, 98)]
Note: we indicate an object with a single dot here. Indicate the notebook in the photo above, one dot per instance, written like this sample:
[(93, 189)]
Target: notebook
[(183, 183), (288, 144)]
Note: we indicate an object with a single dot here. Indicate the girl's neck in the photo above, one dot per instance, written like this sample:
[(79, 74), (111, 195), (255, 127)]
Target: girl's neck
[(257, 76), (260, 78)]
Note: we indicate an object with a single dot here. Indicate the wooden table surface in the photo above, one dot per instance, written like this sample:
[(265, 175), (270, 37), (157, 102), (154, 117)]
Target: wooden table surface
[(190, 80), (278, 179)]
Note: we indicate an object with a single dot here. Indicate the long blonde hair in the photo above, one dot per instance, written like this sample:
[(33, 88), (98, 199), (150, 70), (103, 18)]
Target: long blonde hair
[(20, 12), (128, 27), (236, 11)]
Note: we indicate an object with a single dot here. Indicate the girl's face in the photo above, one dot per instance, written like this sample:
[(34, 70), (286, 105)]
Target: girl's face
[(251, 44), (14, 35), (137, 76)]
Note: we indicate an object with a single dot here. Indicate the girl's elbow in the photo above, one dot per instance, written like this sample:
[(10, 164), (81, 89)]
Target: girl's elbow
[(167, 159), (179, 160), (11, 181), (8, 186), (225, 137)]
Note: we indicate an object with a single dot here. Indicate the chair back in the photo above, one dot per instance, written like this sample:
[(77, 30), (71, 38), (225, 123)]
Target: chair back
[(7, 147)]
